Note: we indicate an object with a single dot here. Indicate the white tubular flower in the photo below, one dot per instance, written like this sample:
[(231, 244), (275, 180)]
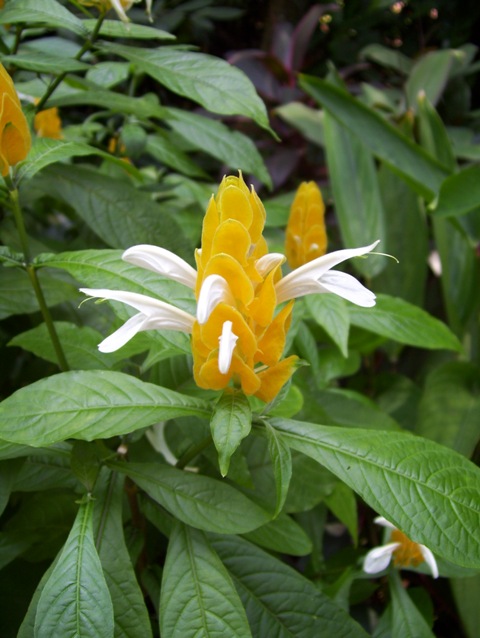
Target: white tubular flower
[(227, 343), (153, 315), (214, 290), (405, 553), (317, 277), (163, 262)]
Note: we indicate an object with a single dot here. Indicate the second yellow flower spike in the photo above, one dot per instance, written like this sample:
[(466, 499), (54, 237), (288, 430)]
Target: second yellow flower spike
[(15, 140), (306, 235)]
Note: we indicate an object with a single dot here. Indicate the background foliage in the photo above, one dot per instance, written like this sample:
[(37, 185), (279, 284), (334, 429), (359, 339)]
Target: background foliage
[(105, 530)]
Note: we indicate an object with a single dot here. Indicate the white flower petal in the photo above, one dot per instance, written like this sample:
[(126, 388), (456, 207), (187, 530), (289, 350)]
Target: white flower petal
[(164, 315), (378, 558), (163, 262), (126, 332), (268, 262), (117, 5), (429, 558), (380, 520), (214, 290), (308, 279), (227, 341), (346, 286)]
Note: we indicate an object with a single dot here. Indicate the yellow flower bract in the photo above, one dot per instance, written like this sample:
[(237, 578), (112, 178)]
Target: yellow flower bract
[(408, 553), (15, 140), (306, 237), (232, 243), (47, 123)]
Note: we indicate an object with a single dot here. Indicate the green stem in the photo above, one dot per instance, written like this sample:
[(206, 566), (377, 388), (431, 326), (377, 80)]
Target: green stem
[(87, 45), (32, 274), (192, 452)]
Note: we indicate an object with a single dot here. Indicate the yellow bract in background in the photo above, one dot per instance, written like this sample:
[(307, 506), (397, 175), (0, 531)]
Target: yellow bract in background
[(306, 237), (15, 140)]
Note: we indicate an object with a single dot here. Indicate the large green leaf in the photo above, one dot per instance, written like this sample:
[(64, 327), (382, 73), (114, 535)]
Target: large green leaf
[(231, 422), (433, 134), (75, 600), (407, 621), (282, 535), (48, 12), (116, 29), (449, 410), (281, 458), (331, 313), (130, 613), (44, 63), (305, 119), (282, 603), (403, 322), (199, 501), (213, 83), (143, 107), (428, 491), (430, 75), (403, 156), (89, 405), (213, 137), (117, 212), (164, 150), (460, 193), (198, 598), (358, 206)]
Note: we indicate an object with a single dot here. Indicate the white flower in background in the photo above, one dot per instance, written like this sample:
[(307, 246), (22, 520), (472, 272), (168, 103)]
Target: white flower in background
[(405, 553)]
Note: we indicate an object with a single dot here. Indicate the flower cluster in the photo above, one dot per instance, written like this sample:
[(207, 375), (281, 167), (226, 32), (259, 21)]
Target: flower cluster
[(405, 552), (306, 236), (238, 333), (15, 139)]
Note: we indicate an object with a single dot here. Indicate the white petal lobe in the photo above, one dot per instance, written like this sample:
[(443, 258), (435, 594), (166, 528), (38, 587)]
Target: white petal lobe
[(163, 262), (378, 558), (214, 290), (227, 342), (429, 558)]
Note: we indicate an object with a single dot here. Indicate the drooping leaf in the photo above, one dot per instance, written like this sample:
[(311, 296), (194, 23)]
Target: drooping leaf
[(282, 466), (331, 313), (198, 599), (199, 501), (230, 423), (75, 600), (284, 604), (88, 405), (428, 491)]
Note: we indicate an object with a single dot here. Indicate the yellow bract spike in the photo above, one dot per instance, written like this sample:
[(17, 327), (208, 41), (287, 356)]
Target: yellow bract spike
[(306, 237), (15, 139)]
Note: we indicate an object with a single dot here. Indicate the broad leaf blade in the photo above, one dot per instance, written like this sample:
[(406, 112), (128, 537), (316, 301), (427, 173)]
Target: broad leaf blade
[(459, 193), (89, 405), (281, 458), (75, 600), (198, 599), (47, 12), (428, 491), (407, 621), (231, 422), (331, 313)]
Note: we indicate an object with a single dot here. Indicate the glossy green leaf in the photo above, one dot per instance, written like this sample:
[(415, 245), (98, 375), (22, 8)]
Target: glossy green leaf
[(460, 193), (407, 621), (79, 344), (117, 212), (48, 12), (430, 75), (359, 207), (198, 598), (428, 491), (387, 57), (75, 600), (282, 466), (130, 613), (230, 423), (405, 323), (283, 535), (113, 102), (89, 405), (331, 313), (44, 63), (305, 119), (167, 152), (433, 134), (215, 138), (199, 501), (211, 82), (117, 29), (403, 156), (12, 451), (17, 295), (449, 410), (282, 603)]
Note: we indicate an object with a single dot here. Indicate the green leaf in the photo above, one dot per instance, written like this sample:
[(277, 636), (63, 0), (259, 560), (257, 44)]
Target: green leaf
[(48, 12), (199, 501), (44, 63), (405, 323), (305, 119), (283, 535), (27, 628), (130, 614), (402, 155), (343, 504), (459, 193), (79, 344), (282, 467), (428, 491), (12, 451), (89, 405), (17, 295), (198, 599), (75, 601), (430, 75), (116, 29), (466, 592), (407, 621), (117, 212), (230, 423), (449, 410), (8, 474), (165, 151), (387, 57), (211, 82), (331, 313), (359, 207), (213, 137), (433, 134), (284, 603)]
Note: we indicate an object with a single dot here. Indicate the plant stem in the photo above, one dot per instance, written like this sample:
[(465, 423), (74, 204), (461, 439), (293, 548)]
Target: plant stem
[(87, 45)]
